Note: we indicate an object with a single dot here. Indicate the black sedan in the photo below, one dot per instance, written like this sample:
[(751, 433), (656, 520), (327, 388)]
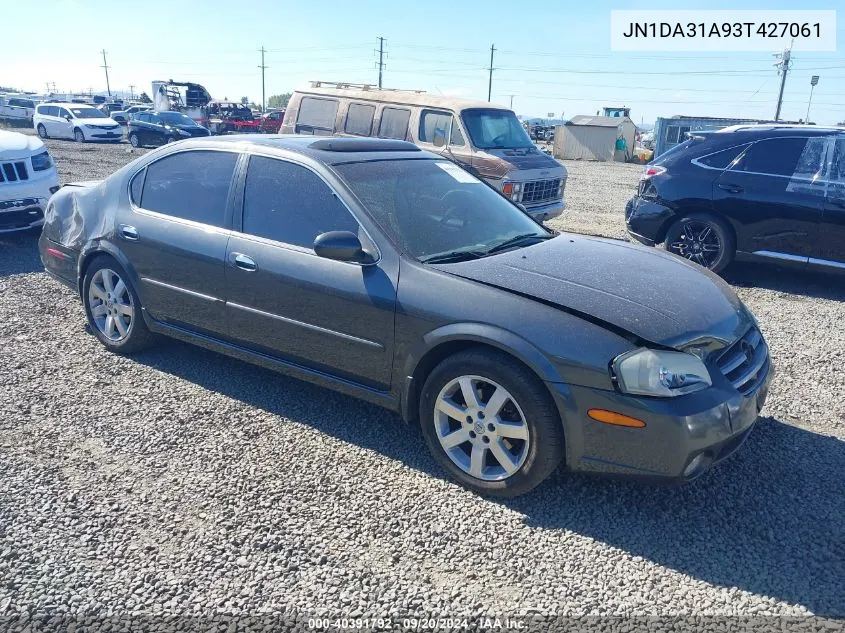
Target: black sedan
[(390, 274), (753, 193), (158, 128)]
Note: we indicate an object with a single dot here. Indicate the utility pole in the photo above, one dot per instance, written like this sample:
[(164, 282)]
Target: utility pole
[(783, 68), (380, 60), (106, 68), (131, 91), (813, 81), (512, 96), (263, 68), (490, 80)]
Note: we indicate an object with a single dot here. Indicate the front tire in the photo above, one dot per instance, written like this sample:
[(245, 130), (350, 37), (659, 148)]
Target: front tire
[(113, 308), (42, 131), (491, 423), (703, 239), (78, 135)]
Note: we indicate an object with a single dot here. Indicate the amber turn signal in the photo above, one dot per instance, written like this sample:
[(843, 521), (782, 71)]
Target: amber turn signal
[(617, 419)]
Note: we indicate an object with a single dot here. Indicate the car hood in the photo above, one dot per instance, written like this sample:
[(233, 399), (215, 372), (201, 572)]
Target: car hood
[(655, 296), (496, 163), (14, 145)]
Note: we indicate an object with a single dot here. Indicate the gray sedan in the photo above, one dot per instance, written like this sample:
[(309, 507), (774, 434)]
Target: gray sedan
[(390, 274)]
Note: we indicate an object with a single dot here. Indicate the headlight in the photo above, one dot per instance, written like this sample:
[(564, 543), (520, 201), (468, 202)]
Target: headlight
[(184, 132), (512, 190), (666, 374), (42, 161)]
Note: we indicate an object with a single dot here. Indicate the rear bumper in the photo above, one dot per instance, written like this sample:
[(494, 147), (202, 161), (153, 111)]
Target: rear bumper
[(646, 220), (683, 437)]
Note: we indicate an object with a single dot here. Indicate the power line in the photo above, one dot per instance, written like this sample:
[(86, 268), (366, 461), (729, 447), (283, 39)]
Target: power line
[(106, 68)]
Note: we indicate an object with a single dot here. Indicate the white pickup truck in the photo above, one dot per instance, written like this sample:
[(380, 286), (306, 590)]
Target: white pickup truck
[(16, 109)]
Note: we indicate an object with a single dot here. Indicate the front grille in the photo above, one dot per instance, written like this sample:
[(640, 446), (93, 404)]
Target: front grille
[(13, 172), (540, 190), (746, 362)]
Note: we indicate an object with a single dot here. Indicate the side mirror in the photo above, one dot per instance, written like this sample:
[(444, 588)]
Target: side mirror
[(343, 246), (439, 139), (68, 117)]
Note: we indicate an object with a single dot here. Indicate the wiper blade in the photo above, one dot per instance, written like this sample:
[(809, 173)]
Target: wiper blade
[(517, 240), (452, 256)]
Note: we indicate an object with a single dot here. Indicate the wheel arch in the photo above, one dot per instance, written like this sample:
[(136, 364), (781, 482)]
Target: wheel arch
[(448, 340), (105, 248)]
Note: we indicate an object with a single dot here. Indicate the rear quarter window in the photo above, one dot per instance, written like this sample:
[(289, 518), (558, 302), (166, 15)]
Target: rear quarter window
[(723, 158), (316, 116)]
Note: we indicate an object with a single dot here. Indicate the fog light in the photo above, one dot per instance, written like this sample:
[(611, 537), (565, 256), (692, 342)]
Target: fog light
[(697, 465)]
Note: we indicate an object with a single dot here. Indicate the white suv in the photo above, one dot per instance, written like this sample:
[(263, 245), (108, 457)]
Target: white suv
[(78, 121), (27, 180)]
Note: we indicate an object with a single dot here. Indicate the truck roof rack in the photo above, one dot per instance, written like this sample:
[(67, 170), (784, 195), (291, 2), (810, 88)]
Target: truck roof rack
[(345, 84)]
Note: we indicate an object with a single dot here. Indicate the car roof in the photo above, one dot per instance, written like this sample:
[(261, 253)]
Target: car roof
[(328, 150), (70, 104), (774, 130)]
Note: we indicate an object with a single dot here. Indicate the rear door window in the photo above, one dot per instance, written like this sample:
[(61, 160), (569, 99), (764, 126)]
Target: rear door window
[(289, 203), (359, 119), (190, 185), (794, 157), (316, 116), (394, 123)]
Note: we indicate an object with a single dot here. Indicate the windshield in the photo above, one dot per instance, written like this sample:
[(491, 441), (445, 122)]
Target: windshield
[(495, 129), (176, 118), (432, 207), (88, 113)]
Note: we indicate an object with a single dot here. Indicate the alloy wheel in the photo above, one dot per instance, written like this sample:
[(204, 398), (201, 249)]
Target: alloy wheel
[(699, 242), (111, 305), (481, 428)]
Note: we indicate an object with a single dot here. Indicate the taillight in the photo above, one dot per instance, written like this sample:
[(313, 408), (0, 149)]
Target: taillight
[(653, 170)]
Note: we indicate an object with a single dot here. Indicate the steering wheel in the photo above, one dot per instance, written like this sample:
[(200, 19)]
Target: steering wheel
[(453, 205), (496, 140)]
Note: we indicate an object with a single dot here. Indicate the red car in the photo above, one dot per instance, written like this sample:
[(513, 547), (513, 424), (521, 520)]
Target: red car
[(271, 122)]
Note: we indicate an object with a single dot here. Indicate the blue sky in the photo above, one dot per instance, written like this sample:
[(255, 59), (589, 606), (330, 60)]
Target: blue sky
[(551, 56)]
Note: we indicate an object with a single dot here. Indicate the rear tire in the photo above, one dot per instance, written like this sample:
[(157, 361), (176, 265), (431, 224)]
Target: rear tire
[(42, 131), (503, 448), (134, 141), (113, 307), (702, 238)]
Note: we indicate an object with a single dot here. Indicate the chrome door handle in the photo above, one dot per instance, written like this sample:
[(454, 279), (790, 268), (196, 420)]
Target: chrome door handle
[(731, 188), (129, 233), (244, 262)]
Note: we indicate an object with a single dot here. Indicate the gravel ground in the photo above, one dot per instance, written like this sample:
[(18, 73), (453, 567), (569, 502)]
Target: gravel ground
[(182, 482)]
